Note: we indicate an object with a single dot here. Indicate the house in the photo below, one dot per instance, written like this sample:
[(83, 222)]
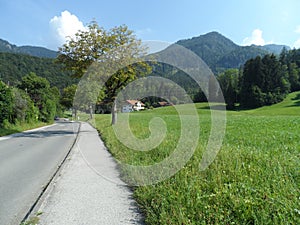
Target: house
[(162, 104), (132, 105)]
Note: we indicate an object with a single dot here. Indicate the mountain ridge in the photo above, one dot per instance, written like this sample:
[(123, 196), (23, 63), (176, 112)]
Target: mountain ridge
[(36, 51), (219, 52)]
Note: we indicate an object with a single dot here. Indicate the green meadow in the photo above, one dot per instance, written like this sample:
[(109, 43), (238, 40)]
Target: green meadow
[(254, 179)]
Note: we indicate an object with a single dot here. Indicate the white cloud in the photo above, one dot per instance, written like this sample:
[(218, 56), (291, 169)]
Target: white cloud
[(63, 26), (297, 44), (255, 39)]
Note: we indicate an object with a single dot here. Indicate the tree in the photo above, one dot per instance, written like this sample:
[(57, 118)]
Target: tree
[(97, 45), (24, 109), (229, 85), (294, 76), (44, 98), (67, 96), (264, 82), (6, 104)]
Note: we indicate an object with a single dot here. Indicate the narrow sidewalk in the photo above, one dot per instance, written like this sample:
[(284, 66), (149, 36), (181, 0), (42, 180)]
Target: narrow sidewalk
[(88, 190)]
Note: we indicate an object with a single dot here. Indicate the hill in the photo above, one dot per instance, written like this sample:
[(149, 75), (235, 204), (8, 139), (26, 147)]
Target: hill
[(5, 46), (290, 106), (14, 66)]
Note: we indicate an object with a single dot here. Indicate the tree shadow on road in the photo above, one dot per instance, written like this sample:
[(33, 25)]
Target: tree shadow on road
[(45, 134)]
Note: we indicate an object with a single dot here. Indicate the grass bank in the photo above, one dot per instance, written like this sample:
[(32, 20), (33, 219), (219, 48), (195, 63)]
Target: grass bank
[(20, 127), (254, 179)]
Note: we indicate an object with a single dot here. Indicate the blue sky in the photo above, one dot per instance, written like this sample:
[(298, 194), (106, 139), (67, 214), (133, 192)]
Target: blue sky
[(45, 22)]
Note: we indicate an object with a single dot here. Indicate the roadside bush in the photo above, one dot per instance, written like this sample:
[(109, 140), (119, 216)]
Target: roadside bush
[(6, 103), (23, 107)]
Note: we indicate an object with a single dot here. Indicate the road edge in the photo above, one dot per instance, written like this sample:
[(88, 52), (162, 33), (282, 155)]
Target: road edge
[(2, 138), (49, 183)]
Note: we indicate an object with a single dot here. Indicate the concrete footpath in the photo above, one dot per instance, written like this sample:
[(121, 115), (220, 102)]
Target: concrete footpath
[(88, 189)]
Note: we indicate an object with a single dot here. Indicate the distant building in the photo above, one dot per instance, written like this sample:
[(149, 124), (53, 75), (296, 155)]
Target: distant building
[(162, 104), (132, 105)]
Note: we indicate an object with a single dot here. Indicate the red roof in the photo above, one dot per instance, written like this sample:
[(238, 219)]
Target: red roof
[(134, 102), (164, 103)]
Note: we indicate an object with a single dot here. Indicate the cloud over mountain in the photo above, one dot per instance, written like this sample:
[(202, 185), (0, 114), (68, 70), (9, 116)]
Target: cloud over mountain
[(297, 43), (62, 27), (255, 39)]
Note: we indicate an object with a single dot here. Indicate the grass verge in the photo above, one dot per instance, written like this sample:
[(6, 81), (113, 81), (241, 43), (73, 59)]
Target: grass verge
[(255, 178), (20, 127)]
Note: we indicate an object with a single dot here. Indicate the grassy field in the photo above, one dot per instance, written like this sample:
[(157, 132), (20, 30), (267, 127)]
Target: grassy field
[(254, 179)]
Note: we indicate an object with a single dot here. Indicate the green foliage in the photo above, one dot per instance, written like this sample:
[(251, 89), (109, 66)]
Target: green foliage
[(24, 109), (46, 99), (6, 104), (294, 76), (68, 96), (254, 179), (14, 66), (229, 84), (264, 82), (102, 51)]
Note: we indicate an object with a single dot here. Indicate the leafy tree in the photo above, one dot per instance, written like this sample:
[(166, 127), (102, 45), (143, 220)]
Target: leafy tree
[(41, 94), (24, 109), (229, 85), (264, 82), (115, 46), (294, 76), (55, 93), (68, 96), (6, 104)]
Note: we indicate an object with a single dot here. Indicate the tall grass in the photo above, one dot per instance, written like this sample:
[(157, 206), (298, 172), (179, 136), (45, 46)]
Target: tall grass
[(254, 179), (8, 128)]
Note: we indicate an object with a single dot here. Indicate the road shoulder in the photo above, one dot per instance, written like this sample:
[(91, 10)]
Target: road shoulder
[(79, 195)]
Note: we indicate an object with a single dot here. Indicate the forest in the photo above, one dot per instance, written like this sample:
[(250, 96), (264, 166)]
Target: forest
[(262, 80)]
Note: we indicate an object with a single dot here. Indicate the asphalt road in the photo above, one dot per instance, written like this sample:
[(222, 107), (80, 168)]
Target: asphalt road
[(27, 162)]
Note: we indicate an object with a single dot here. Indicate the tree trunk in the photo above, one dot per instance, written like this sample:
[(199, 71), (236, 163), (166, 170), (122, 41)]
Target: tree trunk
[(91, 111), (114, 113), (75, 114)]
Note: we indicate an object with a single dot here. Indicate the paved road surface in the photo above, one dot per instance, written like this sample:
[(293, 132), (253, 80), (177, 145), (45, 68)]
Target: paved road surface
[(88, 190), (27, 162)]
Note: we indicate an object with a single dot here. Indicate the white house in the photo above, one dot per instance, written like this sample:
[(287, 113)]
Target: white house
[(132, 105)]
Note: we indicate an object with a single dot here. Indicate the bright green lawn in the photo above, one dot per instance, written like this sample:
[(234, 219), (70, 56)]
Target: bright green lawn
[(255, 178)]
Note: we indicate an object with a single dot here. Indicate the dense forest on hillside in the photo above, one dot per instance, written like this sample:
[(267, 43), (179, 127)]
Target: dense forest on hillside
[(14, 66)]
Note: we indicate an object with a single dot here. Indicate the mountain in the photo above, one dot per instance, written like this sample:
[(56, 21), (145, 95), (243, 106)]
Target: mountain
[(276, 49), (210, 47), (14, 66), (221, 53), (41, 52)]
